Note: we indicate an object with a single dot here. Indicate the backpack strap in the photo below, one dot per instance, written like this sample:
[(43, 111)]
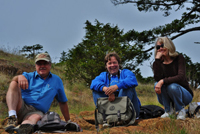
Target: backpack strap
[(96, 122), (119, 115), (133, 117), (196, 110), (104, 116)]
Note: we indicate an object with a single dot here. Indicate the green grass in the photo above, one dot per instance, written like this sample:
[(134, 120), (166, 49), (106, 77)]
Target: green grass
[(80, 96)]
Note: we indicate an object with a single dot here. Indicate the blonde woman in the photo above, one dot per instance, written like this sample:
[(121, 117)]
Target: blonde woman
[(171, 87)]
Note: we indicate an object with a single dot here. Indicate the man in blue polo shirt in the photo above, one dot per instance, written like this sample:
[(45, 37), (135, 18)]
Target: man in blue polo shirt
[(30, 95)]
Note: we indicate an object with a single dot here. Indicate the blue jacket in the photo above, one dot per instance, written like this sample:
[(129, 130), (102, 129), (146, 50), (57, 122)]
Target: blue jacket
[(127, 80)]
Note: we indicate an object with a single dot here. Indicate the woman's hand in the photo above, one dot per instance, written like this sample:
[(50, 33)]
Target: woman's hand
[(158, 55), (111, 97), (158, 86), (109, 90)]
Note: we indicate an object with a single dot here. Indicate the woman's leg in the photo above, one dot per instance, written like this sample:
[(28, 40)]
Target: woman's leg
[(131, 93), (97, 95), (179, 95), (164, 98)]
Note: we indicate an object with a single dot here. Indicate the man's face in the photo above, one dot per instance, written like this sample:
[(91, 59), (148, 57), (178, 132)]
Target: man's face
[(112, 66), (43, 68)]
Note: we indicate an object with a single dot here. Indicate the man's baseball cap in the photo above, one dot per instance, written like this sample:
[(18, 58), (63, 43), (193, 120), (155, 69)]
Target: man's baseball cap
[(43, 56)]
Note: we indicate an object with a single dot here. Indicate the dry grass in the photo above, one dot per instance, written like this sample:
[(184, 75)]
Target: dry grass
[(146, 94), (80, 99), (4, 82), (196, 97)]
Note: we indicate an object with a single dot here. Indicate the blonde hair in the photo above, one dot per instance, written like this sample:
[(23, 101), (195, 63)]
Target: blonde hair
[(167, 44)]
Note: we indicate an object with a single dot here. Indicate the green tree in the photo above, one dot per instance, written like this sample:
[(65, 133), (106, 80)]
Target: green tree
[(31, 50), (86, 60), (177, 27), (192, 72), (63, 56)]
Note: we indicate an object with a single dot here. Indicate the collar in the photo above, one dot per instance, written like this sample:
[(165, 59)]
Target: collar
[(116, 74)]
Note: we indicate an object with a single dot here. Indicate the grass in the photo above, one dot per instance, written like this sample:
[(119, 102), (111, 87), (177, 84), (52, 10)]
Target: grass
[(146, 94), (80, 98)]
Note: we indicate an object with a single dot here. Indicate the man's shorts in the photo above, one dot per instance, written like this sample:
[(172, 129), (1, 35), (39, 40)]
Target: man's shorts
[(27, 110)]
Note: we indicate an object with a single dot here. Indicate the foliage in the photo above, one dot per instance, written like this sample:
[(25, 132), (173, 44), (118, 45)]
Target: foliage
[(63, 56), (190, 16), (144, 80), (86, 60), (192, 72), (177, 27), (32, 50)]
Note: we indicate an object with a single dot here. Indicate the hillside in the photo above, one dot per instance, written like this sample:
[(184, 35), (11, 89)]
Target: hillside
[(81, 103)]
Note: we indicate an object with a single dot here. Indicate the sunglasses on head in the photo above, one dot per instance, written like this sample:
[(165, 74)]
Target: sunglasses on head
[(159, 46)]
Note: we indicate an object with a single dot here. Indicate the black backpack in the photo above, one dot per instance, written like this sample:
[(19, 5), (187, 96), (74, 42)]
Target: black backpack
[(150, 111), (51, 122)]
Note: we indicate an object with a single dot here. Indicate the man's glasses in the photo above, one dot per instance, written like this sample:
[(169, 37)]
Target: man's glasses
[(42, 63), (159, 46)]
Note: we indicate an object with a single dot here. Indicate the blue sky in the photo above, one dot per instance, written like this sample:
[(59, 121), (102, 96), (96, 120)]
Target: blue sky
[(58, 25)]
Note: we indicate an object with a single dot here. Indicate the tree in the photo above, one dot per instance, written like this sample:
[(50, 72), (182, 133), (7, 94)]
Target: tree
[(86, 60), (174, 29), (63, 56), (32, 50), (192, 72)]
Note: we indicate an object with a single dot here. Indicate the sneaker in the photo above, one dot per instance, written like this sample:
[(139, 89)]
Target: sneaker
[(171, 112), (23, 129), (9, 123), (198, 115), (181, 114), (165, 115)]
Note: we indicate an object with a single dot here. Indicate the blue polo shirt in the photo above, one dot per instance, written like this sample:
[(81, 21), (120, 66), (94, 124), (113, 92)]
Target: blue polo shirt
[(40, 93)]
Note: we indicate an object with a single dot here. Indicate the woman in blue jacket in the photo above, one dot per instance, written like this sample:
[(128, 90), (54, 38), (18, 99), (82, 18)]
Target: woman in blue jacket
[(115, 82)]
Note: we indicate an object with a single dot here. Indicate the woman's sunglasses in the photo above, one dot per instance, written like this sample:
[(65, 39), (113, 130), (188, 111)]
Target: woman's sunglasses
[(159, 46)]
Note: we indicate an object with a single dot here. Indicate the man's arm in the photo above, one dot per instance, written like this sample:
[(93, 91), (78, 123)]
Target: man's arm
[(22, 81), (65, 111)]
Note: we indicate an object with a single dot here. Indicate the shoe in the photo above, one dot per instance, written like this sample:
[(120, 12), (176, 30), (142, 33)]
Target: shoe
[(171, 112), (181, 114), (165, 115), (198, 115), (9, 123), (23, 129)]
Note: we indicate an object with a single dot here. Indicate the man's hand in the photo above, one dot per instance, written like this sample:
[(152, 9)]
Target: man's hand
[(22, 82)]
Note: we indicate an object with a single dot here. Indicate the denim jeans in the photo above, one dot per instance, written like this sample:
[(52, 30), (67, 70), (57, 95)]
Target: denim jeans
[(175, 94), (131, 93)]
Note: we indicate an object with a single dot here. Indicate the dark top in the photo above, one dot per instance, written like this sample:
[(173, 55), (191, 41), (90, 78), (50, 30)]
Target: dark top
[(175, 72)]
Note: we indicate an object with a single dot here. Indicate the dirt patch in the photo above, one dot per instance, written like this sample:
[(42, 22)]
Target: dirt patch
[(150, 126), (15, 68)]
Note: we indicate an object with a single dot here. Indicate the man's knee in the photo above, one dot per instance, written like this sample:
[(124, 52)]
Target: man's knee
[(13, 85)]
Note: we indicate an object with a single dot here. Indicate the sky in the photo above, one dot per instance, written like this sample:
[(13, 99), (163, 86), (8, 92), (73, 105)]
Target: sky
[(58, 25)]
